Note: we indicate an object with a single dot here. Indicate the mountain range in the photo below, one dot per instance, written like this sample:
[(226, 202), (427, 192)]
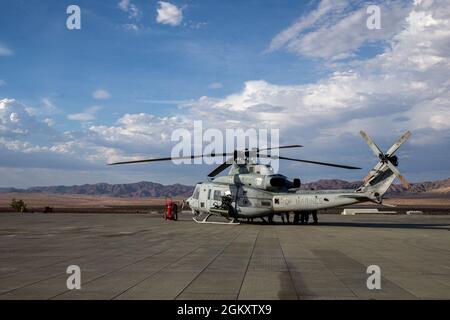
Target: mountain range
[(428, 188), (131, 190), (150, 189)]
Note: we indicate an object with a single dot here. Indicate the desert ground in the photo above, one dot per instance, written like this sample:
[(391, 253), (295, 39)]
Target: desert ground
[(62, 201), (36, 202)]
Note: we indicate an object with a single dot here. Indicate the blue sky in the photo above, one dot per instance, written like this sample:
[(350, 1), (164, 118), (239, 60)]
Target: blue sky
[(217, 42), (74, 100)]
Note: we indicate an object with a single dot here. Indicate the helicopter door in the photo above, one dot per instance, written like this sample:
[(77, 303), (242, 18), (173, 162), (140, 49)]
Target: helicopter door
[(203, 198), (217, 197), (209, 198), (214, 197)]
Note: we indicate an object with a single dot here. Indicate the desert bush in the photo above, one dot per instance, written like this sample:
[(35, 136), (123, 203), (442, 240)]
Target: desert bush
[(18, 205)]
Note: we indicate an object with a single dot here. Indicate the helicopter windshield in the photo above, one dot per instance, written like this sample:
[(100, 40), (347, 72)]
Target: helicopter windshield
[(196, 192)]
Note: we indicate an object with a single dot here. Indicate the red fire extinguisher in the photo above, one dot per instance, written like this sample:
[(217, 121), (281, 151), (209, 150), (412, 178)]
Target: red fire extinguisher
[(171, 210)]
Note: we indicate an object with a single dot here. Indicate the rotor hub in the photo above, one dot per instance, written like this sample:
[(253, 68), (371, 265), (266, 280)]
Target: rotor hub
[(385, 158)]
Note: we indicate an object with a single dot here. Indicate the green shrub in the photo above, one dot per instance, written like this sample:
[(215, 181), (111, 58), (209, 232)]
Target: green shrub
[(18, 205)]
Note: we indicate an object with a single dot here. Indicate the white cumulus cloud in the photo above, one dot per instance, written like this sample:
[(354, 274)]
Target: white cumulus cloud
[(133, 11), (168, 13), (17, 121), (335, 31)]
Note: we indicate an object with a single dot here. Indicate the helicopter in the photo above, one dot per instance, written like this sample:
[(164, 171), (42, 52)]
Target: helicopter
[(254, 190)]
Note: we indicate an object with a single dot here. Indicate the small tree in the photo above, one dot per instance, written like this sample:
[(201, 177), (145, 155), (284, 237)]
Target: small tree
[(18, 205)]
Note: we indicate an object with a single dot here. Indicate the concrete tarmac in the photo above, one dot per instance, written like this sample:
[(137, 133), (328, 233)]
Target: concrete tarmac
[(144, 257)]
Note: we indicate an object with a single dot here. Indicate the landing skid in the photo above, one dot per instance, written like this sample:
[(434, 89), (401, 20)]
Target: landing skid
[(205, 220)]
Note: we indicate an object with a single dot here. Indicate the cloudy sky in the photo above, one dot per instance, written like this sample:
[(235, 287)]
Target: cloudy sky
[(73, 100)]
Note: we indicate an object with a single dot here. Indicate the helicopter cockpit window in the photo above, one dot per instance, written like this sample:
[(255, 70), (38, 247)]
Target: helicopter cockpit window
[(209, 194), (196, 193), (243, 170), (217, 195)]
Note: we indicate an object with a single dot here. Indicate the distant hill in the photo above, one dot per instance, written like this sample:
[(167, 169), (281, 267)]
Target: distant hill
[(131, 190), (150, 189), (429, 188)]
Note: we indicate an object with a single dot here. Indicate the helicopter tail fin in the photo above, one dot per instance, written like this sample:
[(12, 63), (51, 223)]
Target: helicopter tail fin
[(385, 171), (378, 180)]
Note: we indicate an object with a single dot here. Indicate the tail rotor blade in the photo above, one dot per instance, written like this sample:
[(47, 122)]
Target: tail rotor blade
[(371, 144), (399, 142), (398, 174)]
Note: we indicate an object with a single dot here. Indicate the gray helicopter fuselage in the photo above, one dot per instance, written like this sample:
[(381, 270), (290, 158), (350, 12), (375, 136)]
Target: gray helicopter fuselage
[(259, 195), (252, 201)]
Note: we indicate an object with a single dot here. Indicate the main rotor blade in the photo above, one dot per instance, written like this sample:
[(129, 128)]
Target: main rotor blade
[(154, 160), (371, 144), (313, 162), (398, 174), (399, 142), (172, 158), (203, 155), (282, 147), (220, 168)]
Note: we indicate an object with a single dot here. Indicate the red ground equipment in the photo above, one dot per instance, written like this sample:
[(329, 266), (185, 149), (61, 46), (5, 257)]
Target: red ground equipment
[(171, 210)]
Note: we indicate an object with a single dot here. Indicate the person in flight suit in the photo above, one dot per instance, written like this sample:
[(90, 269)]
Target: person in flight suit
[(314, 216), (304, 217)]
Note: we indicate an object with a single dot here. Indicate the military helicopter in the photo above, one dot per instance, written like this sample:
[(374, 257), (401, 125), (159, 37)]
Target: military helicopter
[(253, 190)]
